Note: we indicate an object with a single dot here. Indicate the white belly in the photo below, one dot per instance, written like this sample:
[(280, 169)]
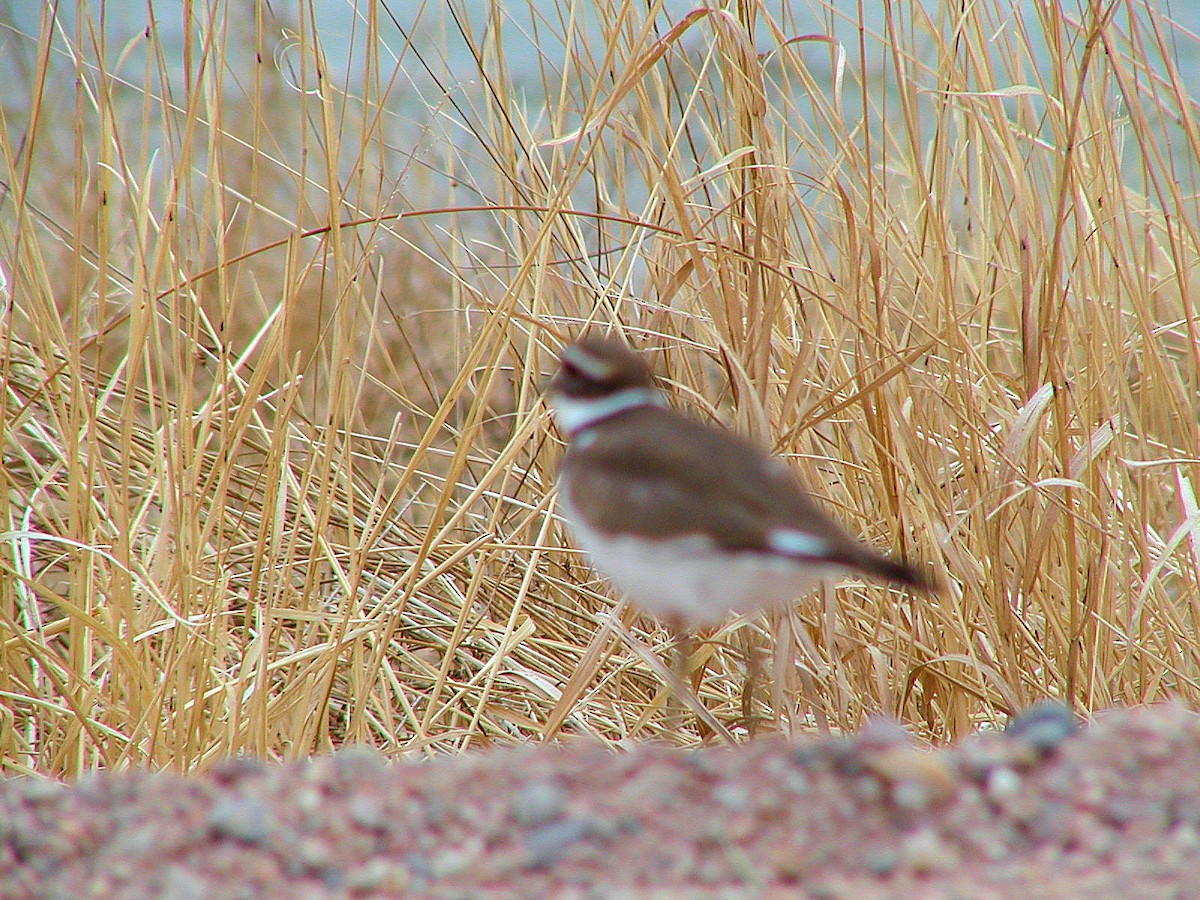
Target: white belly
[(692, 579)]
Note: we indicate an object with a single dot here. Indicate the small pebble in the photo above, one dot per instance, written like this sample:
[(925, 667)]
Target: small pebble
[(546, 845), (356, 758), (449, 863), (797, 783), (309, 800), (367, 812), (1043, 726), (921, 777), (244, 819), (714, 831), (866, 788), (1049, 821), (1186, 836), (882, 733), (228, 772), (911, 795), (180, 883), (925, 851), (455, 861), (313, 855), (378, 876), (139, 840), (538, 802), (732, 795), (882, 860), (1002, 783), (38, 790)]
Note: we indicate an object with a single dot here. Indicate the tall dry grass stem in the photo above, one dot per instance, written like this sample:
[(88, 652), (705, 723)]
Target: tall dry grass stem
[(279, 305)]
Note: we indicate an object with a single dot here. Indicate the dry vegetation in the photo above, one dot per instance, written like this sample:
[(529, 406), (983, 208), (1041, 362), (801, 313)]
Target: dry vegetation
[(277, 474)]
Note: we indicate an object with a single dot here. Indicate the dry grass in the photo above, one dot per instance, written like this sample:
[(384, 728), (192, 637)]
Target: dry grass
[(277, 472)]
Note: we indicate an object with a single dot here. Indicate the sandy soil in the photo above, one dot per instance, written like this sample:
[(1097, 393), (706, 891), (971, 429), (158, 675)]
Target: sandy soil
[(1041, 811)]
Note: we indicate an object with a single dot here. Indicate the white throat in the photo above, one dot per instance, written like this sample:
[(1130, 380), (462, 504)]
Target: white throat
[(573, 414)]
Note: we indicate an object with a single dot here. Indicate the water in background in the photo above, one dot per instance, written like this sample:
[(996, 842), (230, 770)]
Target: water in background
[(425, 39), (437, 92)]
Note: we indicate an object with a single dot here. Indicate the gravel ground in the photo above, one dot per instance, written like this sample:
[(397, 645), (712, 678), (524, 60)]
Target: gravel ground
[(1041, 811)]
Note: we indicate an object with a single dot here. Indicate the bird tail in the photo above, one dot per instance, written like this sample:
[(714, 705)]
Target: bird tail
[(900, 572)]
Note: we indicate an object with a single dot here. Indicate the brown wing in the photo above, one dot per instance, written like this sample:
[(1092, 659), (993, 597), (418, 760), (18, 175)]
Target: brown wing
[(662, 468)]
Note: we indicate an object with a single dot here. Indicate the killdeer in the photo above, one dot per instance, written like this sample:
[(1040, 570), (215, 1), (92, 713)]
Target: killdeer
[(691, 522)]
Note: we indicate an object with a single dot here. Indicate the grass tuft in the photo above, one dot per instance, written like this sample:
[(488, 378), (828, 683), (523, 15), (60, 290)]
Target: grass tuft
[(280, 300)]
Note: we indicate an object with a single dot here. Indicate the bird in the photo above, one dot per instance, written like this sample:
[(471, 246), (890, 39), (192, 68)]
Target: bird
[(691, 522)]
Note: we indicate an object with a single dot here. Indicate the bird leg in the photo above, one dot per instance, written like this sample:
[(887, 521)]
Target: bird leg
[(680, 654), (678, 692), (754, 672)]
